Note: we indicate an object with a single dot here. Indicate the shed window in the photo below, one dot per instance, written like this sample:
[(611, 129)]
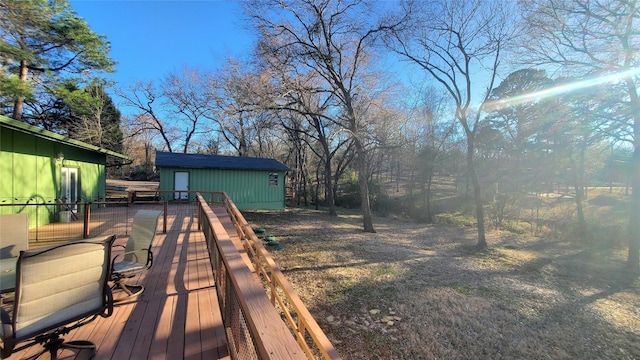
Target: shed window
[(273, 179)]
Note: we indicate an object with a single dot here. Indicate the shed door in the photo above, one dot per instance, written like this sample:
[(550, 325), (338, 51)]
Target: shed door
[(181, 183)]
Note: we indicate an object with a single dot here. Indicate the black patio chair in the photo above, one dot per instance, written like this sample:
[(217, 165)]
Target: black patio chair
[(58, 289), (137, 254)]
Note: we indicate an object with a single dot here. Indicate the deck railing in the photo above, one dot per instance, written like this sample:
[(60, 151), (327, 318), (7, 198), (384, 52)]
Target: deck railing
[(254, 328), (57, 221), (141, 196), (281, 296), (54, 220)]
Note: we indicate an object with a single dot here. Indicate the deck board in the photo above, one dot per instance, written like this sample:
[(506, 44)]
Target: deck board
[(163, 330), (177, 316), (176, 338), (112, 330), (192, 346), (210, 337)]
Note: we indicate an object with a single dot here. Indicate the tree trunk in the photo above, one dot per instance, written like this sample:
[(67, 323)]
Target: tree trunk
[(633, 258), (578, 184), (364, 188), (428, 212), (580, 212), (328, 176), (18, 105), (477, 194), (305, 191), (317, 187), (410, 200), (329, 188)]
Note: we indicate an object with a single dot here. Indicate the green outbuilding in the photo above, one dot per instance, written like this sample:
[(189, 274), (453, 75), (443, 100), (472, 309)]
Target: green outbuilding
[(252, 183), (41, 167)]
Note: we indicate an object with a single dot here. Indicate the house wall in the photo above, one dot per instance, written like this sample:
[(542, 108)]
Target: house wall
[(249, 189), (29, 174)]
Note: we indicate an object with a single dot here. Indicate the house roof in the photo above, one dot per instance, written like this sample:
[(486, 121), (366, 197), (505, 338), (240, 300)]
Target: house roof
[(206, 161), (36, 131)]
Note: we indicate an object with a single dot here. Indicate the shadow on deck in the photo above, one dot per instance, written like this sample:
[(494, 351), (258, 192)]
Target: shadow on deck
[(177, 316)]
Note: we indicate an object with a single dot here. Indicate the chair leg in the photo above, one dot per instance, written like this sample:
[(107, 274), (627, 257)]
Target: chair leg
[(84, 350), (45, 349), (131, 290)]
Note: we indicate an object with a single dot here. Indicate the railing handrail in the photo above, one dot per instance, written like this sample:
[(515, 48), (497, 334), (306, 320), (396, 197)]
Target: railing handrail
[(86, 211), (266, 267), (271, 336)]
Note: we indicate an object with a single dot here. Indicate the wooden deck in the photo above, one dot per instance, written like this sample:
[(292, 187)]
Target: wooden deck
[(177, 316)]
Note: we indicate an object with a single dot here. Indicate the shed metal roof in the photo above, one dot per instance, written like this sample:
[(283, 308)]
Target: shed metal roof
[(206, 161), (45, 134)]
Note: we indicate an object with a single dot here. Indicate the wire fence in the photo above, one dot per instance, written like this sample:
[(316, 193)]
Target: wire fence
[(57, 222)]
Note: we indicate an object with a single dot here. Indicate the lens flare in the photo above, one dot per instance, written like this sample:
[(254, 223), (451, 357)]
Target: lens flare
[(557, 90)]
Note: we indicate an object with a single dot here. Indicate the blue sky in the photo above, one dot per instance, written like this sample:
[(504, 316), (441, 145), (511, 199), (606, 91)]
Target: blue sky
[(149, 39)]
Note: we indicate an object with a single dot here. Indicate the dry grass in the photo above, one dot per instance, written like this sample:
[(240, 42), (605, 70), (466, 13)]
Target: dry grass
[(413, 291)]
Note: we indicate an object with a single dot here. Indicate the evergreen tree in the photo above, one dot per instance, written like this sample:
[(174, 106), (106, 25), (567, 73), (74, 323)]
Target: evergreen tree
[(92, 117), (44, 44)]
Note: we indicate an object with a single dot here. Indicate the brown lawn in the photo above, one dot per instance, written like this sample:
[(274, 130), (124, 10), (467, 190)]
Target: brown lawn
[(415, 291)]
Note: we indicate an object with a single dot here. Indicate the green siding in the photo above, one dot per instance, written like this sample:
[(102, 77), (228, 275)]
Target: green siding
[(29, 173), (248, 189)]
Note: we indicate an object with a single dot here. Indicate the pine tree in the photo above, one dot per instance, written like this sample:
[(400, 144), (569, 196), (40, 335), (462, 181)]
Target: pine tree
[(43, 44)]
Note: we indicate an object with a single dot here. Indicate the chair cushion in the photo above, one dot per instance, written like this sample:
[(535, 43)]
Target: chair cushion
[(14, 232), (60, 284)]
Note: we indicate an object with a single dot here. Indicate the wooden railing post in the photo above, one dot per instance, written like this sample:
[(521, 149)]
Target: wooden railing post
[(87, 220), (164, 217), (199, 212)]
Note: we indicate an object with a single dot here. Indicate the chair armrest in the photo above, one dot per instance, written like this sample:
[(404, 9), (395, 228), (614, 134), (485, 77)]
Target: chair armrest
[(108, 298), (117, 246), (7, 324), (148, 260), (6, 334), (121, 255)]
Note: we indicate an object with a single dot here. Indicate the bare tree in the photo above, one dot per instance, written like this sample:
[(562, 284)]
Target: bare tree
[(187, 98), (305, 109), (332, 40), (139, 140), (431, 138), (145, 97), (316, 131), (173, 107), (292, 123), (598, 40), (459, 44), (235, 93)]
